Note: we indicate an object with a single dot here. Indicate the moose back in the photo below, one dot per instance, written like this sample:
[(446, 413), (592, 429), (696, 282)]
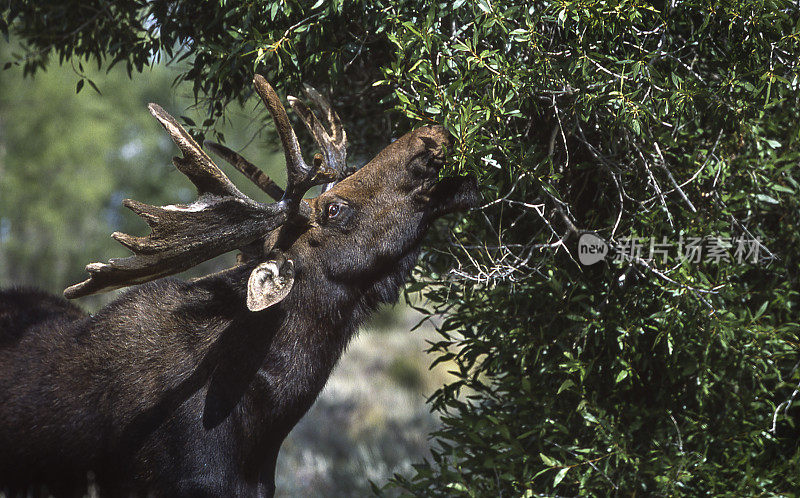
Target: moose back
[(189, 388)]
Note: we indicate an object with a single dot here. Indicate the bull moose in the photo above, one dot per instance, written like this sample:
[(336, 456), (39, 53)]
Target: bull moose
[(189, 388)]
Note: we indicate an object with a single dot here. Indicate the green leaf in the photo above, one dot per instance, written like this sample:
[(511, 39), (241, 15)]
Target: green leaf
[(565, 385), (781, 188), (767, 199), (548, 461), (457, 486), (94, 86), (560, 476), (760, 311)]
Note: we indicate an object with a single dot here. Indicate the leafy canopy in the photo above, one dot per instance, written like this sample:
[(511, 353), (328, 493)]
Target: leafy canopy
[(663, 120)]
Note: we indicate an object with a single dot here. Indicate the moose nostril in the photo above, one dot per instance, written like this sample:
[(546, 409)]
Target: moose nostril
[(438, 135), (424, 169)]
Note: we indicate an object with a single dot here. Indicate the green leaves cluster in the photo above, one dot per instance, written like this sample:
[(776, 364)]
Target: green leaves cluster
[(626, 119), (219, 44)]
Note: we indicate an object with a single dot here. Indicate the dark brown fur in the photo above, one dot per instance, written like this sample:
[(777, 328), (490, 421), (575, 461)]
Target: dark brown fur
[(176, 389)]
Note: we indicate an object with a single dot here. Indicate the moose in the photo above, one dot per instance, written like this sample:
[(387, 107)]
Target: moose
[(188, 388)]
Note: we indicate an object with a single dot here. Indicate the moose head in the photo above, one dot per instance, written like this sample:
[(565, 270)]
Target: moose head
[(386, 206)]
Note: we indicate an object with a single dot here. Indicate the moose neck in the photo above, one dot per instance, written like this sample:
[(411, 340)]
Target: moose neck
[(273, 364)]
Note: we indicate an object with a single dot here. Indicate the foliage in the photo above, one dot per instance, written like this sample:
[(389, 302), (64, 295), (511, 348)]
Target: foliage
[(222, 45), (628, 119)]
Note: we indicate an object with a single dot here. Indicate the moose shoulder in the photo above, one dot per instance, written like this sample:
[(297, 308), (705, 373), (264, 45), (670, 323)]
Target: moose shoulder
[(189, 388)]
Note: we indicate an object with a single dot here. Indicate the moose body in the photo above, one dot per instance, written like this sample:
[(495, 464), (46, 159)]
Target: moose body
[(189, 388)]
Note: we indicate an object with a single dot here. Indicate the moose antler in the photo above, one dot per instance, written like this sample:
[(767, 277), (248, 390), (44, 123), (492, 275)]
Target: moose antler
[(222, 218), (248, 169), (333, 145), (334, 148)]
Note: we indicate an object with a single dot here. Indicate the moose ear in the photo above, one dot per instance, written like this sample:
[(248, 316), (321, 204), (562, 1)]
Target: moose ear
[(269, 283)]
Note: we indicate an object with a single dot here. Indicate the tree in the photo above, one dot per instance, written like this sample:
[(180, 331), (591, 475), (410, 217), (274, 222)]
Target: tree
[(664, 125), (222, 44)]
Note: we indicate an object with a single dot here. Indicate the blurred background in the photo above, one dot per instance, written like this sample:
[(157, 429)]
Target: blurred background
[(67, 159)]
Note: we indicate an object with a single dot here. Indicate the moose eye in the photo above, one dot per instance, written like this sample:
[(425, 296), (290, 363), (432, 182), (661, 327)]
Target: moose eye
[(334, 210), (337, 214)]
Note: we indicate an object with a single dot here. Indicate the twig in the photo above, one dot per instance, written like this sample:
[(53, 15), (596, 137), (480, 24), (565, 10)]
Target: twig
[(677, 187)]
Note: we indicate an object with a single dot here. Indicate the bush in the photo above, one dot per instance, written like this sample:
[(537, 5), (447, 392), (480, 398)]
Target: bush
[(639, 123)]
